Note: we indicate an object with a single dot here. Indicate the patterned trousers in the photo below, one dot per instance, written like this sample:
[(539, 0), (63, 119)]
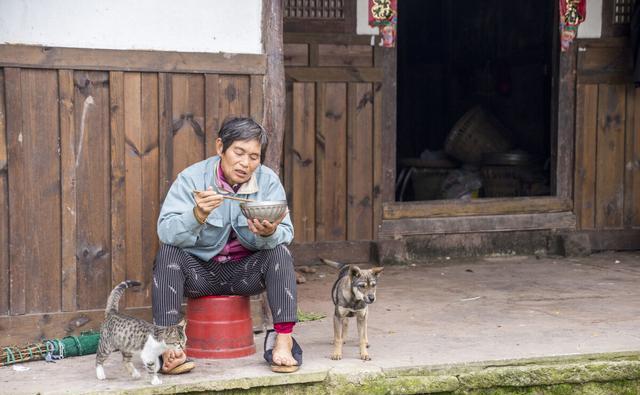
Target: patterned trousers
[(177, 273)]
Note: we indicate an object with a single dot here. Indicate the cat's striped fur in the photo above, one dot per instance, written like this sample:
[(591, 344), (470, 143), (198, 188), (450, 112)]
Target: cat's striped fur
[(128, 335)]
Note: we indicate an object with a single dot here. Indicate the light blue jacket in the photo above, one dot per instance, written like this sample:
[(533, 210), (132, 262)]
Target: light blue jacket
[(178, 226)]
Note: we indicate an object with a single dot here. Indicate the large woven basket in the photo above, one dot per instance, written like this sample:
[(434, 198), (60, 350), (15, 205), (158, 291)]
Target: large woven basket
[(475, 134)]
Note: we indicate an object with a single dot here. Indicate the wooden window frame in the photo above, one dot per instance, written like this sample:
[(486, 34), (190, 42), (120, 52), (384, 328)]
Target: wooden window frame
[(610, 29), (309, 25)]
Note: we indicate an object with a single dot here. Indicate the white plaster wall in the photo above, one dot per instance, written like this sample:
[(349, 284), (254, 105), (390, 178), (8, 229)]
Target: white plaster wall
[(592, 26), (362, 25), (187, 25)]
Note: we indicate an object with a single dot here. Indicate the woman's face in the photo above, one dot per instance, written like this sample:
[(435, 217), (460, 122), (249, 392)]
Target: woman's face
[(240, 160)]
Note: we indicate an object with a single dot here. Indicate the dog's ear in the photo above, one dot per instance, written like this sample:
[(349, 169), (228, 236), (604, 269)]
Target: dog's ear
[(377, 270), (354, 271)]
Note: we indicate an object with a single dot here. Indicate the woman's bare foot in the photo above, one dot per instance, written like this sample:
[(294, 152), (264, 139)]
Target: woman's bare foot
[(282, 350), (172, 358)]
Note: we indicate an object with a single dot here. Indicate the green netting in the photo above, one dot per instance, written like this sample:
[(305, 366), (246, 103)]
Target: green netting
[(52, 349), (81, 345)]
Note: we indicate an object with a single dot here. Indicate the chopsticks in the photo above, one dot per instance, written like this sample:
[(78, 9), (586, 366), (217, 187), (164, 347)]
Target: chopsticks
[(239, 199)]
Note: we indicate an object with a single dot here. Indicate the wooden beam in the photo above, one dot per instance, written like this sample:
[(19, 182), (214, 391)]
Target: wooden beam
[(386, 59), (334, 74), (563, 154), (274, 90), (604, 62), (396, 228), (326, 38), (489, 206), (130, 60)]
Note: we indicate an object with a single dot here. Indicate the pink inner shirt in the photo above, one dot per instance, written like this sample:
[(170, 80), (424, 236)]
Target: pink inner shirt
[(233, 250)]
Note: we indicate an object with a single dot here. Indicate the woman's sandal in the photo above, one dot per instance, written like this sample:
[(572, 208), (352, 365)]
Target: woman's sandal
[(296, 351), (186, 366)]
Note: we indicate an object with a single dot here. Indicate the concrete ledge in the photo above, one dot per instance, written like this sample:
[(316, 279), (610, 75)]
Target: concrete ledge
[(586, 374)]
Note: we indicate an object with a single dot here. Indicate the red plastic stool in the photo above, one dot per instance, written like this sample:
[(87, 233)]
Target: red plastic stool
[(219, 327)]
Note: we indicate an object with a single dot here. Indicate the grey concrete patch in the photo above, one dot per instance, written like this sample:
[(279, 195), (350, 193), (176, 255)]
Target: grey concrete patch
[(437, 316)]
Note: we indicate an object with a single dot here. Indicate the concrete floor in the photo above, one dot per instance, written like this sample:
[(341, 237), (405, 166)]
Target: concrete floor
[(429, 313)]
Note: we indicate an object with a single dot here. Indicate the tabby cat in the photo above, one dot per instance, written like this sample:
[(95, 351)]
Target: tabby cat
[(129, 335)]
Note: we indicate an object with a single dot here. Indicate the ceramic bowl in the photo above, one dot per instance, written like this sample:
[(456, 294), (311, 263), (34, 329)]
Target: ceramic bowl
[(269, 210)]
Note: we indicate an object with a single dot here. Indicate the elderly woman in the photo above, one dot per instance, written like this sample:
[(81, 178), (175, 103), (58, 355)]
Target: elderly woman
[(209, 248)]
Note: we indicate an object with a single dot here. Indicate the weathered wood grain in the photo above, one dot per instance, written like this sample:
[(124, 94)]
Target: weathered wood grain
[(134, 151), (360, 162), (352, 251), (32, 328), (632, 159), (303, 162), (320, 38), (4, 206), (585, 167), (389, 93), (69, 195), (562, 161), (274, 89), (118, 177), (488, 206), (378, 164), (165, 125), (610, 157), (331, 162), (256, 97), (211, 112), (17, 203), (395, 228), (149, 184), (39, 139), (93, 188), (296, 54), (345, 55), (188, 139), (130, 60), (334, 74)]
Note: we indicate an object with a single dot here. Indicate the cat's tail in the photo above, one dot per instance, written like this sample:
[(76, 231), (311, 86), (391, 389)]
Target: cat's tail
[(114, 297), (333, 264)]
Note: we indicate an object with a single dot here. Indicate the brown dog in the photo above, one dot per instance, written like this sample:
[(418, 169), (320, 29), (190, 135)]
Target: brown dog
[(352, 293)]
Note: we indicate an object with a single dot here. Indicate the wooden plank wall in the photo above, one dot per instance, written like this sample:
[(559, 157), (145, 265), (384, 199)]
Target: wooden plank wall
[(607, 164), (86, 158), (332, 137)]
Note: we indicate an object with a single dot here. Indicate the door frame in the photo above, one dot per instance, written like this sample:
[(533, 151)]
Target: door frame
[(488, 214)]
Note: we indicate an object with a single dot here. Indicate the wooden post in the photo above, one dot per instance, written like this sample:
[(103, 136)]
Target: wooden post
[(274, 93)]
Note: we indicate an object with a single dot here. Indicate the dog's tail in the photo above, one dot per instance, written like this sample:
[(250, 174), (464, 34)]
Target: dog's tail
[(333, 264), (114, 297)]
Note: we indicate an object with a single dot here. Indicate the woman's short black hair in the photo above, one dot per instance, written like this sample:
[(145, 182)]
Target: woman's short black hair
[(242, 129)]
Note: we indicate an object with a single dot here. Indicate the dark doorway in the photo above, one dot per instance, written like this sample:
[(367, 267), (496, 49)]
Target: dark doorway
[(474, 98)]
